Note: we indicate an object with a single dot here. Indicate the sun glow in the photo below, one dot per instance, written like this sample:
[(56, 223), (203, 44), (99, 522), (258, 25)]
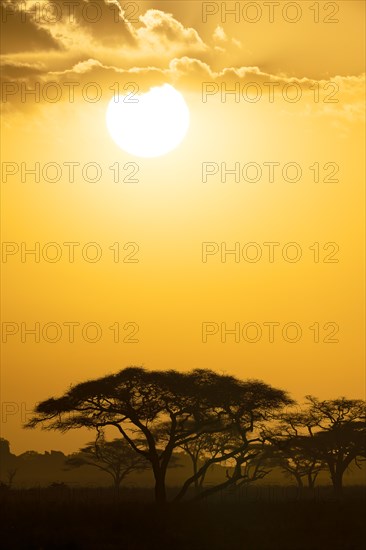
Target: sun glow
[(150, 124)]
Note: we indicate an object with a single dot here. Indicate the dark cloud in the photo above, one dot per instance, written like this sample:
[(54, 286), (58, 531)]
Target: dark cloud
[(20, 33)]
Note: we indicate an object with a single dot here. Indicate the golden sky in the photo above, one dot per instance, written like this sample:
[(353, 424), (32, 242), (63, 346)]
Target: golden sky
[(294, 133)]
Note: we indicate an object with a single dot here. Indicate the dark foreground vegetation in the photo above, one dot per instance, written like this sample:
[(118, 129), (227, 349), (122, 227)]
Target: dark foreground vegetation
[(236, 434), (269, 519), (215, 419)]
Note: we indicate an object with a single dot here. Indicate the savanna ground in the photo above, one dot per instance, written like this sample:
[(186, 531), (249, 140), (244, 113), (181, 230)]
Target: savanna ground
[(64, 519)]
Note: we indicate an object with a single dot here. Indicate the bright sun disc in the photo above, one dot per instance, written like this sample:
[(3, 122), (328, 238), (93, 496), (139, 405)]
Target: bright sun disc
[(150, 124)]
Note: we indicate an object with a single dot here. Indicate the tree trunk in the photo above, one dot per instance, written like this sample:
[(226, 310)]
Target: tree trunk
[(195, 470), (299, 480), (337, 479), (202, 479), (160, 490), (311, 481)]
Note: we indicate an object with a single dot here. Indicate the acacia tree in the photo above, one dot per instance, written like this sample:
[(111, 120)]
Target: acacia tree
[(326, 434), (138, 402), (253, 467), (197, 449), (292, 451), (337, 429), (244, 457), (203, 449), (115, 457), (296, 460)]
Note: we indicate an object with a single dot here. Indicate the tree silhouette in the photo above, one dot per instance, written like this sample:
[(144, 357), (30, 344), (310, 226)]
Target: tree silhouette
[(245, 463), (206, 447), (338, 431), (115, 457), (9, 465), (330, 433), (5, 453), (138, 402), (292, 451), (296, 460), (253, 467)]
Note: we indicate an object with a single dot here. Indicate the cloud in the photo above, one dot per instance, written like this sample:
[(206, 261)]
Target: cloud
[(190, 74), (84, 22), (18, 70), (219, 34), (103, 22), (19, 31), (348, 106), (91, 70), (221, 39), (190, 70), (162, 33), (101, 28), (196, 71), (156, 49)]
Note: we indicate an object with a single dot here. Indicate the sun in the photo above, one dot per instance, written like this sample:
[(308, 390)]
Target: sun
[(149, 124)]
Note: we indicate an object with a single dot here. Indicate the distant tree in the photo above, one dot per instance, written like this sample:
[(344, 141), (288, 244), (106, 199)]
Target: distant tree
[(4, 449), (8, 463), (30, 455), (195, 450), (253, 467), (296, 460), (338, 431), (327, 434), (292, 451), (205, 447), (116, 458), (137, 402)]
